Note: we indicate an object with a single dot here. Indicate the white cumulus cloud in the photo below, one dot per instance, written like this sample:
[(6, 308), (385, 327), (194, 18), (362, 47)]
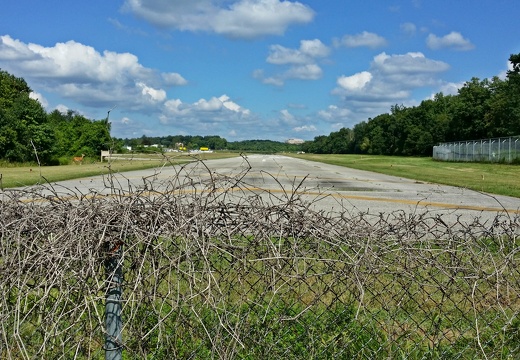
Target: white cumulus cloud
[(355, 82), (449, 88), (155, 95), (301, 63), (85, 75), (314, 48), (233, 18), (409, 63), (454, 40), (281, 55), (304, 72), (173, 79), (390, 79), (309, 51), (287, 117), (215, 115), (62, 108), (364, 39), (214, 109), (41, 99), (233, 106)]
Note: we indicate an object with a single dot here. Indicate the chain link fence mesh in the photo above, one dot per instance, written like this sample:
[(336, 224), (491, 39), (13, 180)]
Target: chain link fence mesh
[(215, 270), (503, 150)]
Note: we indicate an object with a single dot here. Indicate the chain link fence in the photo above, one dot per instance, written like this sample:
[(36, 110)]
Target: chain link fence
[(505, 150), (213, 269)]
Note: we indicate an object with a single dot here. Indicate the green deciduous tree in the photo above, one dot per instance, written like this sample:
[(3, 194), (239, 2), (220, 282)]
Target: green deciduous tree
[(469, 111), (23, 122), (75, 134), (513, 94)]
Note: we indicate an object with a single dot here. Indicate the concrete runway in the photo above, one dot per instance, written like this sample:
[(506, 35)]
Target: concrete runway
[(364, 191), (328, 187)]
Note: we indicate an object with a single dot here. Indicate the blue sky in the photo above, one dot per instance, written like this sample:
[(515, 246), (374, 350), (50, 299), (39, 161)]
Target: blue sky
[(251, 69)]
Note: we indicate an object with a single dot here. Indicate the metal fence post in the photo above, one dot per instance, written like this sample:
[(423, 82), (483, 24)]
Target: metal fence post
[(113, 322), (516, 151)]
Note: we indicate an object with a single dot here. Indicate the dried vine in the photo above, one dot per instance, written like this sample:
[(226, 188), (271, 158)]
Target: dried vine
[(216, 269)]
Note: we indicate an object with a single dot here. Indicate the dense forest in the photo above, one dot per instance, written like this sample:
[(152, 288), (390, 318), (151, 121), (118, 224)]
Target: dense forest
[(481, 109)]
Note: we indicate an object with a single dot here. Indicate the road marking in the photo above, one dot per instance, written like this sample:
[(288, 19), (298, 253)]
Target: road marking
[(390, 200), (423, 203)]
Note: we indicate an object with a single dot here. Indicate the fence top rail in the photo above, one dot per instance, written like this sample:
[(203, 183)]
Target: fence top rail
[(515, 139)]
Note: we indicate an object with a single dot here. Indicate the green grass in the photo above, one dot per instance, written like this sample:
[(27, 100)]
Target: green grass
[(500, 179), (416, 302), (19, 175), (409, 310)]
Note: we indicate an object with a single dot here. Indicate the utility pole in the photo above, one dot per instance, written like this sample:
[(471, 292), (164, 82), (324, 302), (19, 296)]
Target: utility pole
[(113, 305)]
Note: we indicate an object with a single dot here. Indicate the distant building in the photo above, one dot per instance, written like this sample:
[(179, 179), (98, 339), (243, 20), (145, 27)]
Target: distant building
[(294, 141)]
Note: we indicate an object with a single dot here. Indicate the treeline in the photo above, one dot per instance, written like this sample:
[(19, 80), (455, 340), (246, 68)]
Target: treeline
[(263, 146), (481, 109), (213, 142), (29, 134)]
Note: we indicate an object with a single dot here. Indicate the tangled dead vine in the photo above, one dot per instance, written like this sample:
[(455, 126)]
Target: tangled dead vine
[(215, 269)]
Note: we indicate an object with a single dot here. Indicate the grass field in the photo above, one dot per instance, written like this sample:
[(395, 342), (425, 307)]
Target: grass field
[(27, 174), (500, 179)]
